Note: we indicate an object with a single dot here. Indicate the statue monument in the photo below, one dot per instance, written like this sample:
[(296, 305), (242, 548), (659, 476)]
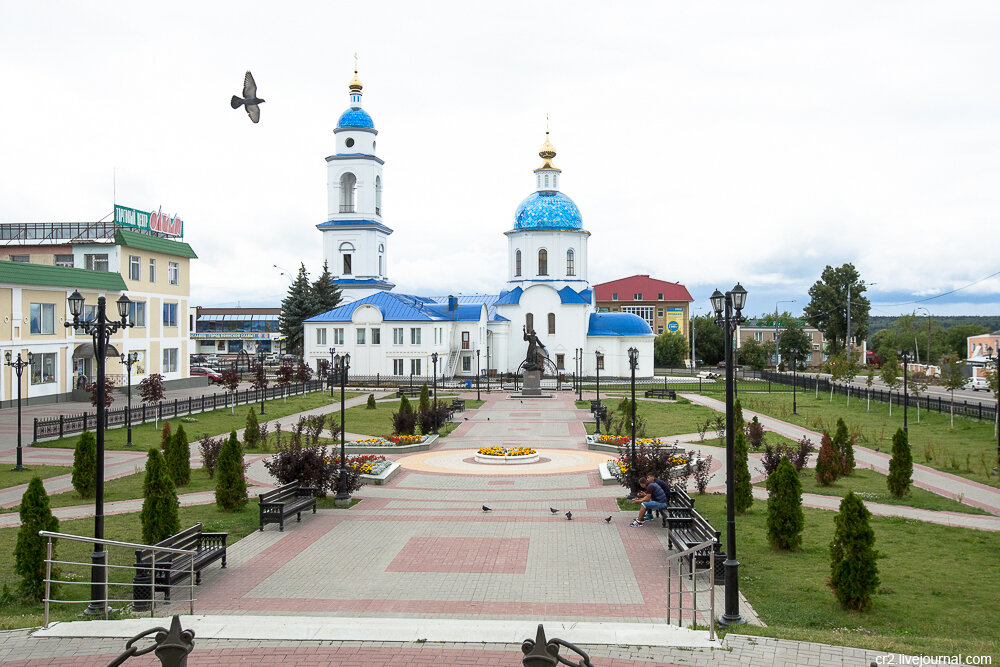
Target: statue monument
[(534, 363)]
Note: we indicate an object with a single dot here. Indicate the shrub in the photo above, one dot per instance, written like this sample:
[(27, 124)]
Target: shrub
[(209, 448), (404, 422), (230, 483), (702, 468), (85, 465), (738, 422), (30, 549), (801, 455), (785, 520), (109, 392), (159, 516), (370, 405), (178, 458), (771, 458), (744, 490), (755, 434), (853, 570), (251, 432), (900, 465), (827, 465), (352, 476), (165, 436), (425, 399), (296, 461), (843, 443), (263, 436), (314, 427), (650, 459)]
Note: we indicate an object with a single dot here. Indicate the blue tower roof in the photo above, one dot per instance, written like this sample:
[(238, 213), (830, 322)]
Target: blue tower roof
[(618, 324), (547, 209), (355, 117)]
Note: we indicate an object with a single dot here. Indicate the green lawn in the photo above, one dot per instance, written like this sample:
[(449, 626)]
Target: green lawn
[(213, 422), (969, 449), (9, 478), (663, 420), (870, 485), (922, 607)]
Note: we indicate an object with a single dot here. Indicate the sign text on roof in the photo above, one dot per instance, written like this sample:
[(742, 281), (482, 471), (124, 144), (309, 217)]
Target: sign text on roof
[(157, 221)]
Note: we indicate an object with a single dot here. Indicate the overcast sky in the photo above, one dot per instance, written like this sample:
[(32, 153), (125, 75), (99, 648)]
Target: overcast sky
[(704, 143)]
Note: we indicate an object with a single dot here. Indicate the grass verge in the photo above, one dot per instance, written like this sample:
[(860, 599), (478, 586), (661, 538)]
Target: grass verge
[(663, 420), (9, 478)]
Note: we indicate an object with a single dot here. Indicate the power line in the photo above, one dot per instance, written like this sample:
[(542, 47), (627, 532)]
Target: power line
[(938, 296)]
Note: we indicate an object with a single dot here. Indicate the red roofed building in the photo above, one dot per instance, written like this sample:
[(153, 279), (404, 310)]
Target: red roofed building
[(662, 304)]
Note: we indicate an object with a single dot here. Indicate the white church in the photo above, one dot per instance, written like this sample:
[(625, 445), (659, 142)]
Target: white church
[(396, 334)]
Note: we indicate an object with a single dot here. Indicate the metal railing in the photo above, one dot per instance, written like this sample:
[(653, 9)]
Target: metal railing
[(692, 576), (49, 562)]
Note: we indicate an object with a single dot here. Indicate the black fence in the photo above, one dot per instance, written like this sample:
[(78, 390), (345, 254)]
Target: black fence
[(63, 425)]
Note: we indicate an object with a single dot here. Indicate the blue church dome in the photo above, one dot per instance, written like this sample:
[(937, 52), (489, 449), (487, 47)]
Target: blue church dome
[(547, 209), (355, 117)]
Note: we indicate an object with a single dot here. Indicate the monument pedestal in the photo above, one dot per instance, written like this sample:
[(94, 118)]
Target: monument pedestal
[(531, 386)]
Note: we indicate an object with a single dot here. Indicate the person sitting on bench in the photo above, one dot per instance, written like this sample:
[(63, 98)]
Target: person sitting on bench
[(652, 498), (664, 484)]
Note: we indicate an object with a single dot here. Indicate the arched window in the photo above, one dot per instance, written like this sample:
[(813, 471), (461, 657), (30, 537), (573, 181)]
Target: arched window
[(348, 188), (378, 195), (529, 321), (517, 262), (381, 251), (570, 263), (546, 180), (543, 262), (552, 323), (346, 251)]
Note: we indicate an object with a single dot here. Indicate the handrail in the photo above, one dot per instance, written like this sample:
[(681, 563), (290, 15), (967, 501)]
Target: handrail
[(678, 557), (692, 550), (114, 543)]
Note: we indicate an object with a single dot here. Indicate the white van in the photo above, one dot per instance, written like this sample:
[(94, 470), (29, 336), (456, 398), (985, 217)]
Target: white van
[(977, 383)]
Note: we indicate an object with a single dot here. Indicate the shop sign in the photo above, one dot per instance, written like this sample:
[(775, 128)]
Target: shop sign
[(231, 335), (155, 222)]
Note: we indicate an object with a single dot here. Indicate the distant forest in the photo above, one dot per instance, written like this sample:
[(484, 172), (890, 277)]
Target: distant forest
[(879, 322)]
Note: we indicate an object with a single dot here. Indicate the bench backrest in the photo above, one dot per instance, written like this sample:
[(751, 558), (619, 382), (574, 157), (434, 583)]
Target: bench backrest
[(680, 497), (189, 538), (281, 493)]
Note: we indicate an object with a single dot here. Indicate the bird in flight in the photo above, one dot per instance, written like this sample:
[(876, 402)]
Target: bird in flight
[(249, 99)]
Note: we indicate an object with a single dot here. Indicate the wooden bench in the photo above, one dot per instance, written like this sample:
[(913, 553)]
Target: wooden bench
[(174, 568), (408, 391), (687, 528), (661, 393), (285, 501), (458, 405)]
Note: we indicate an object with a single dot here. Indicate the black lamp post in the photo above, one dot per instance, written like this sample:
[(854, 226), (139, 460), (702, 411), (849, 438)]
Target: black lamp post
[(994, 356), (599, 362), (477, 373), (18, 365), (434, 358), (331, 378), (795, 364), (127, 361), (100, 328), (579, 376), (905, 356), (343, 496), (728, 309), (633, 362), (263, 374), (487, 362)]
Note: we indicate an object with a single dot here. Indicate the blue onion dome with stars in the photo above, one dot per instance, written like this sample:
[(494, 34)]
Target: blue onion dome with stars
[(355, 116), (547, 208)]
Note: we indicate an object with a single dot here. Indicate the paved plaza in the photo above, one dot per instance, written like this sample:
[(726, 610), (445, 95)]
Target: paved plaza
[(418, 573)]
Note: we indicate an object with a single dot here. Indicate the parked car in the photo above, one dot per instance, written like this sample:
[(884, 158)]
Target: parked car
[(213, 376), (977, 383)]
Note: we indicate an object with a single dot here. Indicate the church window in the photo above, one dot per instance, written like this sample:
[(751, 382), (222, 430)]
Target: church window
[(561, 361), (466, 364), (600, 362), (350, 142), (378, 198), (517, 262), (397, 336), (414, 366), (555, 180), (397, 366), (338, 336), (529, 321), (348, 188), (546, 180), (539, 179), (347, 265), (361, 336), (543, 262), (552, 323), (376, 336), (414, 336), (570, 263), (321, 336)]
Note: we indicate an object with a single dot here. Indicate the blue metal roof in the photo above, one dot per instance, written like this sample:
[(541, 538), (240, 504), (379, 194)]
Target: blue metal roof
[(547, 209), (618, 324), (411, 308), (355, 117), (568, 295), (510, 298)]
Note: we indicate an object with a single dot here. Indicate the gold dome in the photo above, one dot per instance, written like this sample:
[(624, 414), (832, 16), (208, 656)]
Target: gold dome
[(355, 84), (547, 153)]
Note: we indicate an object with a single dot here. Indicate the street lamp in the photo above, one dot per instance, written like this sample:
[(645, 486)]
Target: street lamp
[(579, 377), (633, 361), (905, 356), (434, 358), (477, 373), (127, 361), (330, 376), (728, 309), (100, 328), (599, 362), (18, 365), (343, 497), (263, 374)]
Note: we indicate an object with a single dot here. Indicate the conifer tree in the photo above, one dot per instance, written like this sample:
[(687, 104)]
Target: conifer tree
[(165, 436), (325, 294), (370, 405), (159, 515), (900, 465), (85, 465), (844, 445), (425, 398), (744, 490), (827, 463), (251, 433), (785, 520), (230, 482), (31, 548), (738, 422), (295, 307), (178, 458), (853, 568)]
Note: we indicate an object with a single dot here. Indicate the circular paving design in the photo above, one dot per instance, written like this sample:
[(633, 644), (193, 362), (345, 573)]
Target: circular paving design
[(459, 461)]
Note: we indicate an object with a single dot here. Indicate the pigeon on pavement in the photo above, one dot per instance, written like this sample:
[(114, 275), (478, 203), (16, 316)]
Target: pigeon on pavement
[(487, 509), (569, 516), (608, 520), (249, 99), (553, 510)]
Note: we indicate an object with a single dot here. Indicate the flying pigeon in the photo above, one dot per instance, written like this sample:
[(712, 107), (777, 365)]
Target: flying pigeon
[(553, 510), (608, 520), (569, 516), (249, 98), (486, 509)]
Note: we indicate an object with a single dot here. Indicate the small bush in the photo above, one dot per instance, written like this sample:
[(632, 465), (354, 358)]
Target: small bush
[(701, 472), (404, 422), (178, 458), (159, 516), (785, 519), (843, 443), (900, 465), (853, 568), (295, 460), (744, 490), (352, 476), (655, 459), (771, 459), (231, 483), (801, 455), (425, 399), (370, 405), (165, 437), (85, 465), (30, 549), (209, 448), (827, 464), (251, 432), (755, 434)]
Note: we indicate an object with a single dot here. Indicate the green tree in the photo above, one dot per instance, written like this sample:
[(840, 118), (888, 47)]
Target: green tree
[(739, 423), (159, 515), (838, 368), (178, 458), (869, 381), (325, 294), (710, 342), (743, 490), (918, 385), (752, 353), (794, 342), (827, 463), (827, 308), (853, 568), (370, 405), (425, 398), (851, 368), (785, 519), (251, 432), (900, 465), (230, 481), (30, 548), (669, 350), (843, 444), (952, 378), (956, 338), (890, 374), (85, 465), (295, 307), (165, 437)]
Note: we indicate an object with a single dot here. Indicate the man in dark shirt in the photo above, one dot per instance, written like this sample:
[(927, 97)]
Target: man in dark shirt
[(664, 484), (652, 498)]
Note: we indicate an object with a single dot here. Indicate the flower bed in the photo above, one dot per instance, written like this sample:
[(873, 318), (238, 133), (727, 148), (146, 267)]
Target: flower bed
[(404, 439), (366, 464), (387, 441), (606, 439), (493, 455), (677, 463)]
